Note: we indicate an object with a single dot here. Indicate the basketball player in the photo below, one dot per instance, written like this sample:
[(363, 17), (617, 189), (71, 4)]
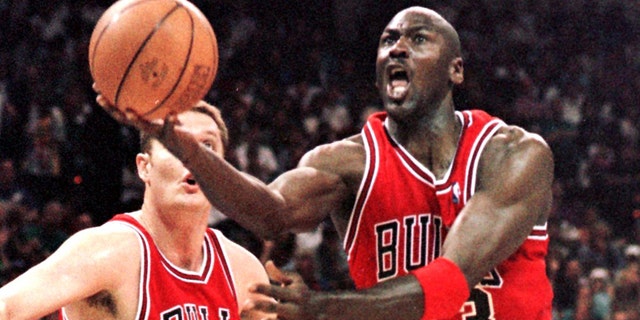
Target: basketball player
[(161, 262), (442, 213)]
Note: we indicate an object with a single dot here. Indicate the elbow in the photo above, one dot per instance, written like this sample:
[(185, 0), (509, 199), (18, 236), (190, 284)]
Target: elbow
[(270, 228)]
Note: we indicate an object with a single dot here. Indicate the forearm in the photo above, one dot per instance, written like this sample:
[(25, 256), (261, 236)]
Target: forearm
[(399, 298), (241, 197)]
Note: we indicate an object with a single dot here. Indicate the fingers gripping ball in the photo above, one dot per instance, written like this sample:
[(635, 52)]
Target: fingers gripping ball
[(153, 56)]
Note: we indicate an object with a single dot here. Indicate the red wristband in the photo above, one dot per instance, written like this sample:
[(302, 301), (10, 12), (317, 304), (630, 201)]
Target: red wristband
[(444, 287)]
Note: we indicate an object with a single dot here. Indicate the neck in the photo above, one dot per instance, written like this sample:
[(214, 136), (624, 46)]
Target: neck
[(432, 140), (177, 235)]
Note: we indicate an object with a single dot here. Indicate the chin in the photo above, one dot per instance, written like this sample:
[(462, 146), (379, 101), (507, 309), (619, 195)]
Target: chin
[(400, 111), (193, 201)]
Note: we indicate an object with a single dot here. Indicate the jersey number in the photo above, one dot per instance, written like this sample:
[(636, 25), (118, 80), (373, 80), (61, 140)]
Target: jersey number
[(480, 303), (479, 306)]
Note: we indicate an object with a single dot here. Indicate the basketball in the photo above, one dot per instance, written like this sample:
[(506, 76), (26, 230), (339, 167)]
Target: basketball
[(153, 56)]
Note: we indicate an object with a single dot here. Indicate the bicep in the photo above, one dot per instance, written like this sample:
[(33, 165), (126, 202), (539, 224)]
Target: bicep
[(309, 196), (513, 195)]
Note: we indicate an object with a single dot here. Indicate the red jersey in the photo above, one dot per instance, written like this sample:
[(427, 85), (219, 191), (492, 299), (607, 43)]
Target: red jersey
[(168, 292), (402, 215)]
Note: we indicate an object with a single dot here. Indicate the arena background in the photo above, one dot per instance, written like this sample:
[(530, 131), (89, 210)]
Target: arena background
[(295, 74)]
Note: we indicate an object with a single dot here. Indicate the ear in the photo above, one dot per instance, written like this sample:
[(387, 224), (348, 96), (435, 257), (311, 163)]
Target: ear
[(143, 164), (457, 71)]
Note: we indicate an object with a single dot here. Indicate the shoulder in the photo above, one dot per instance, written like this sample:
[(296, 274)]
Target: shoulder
[(327, 155), (245, 267), (103, 246), (102, 265), (514, 141), (108, 235), (247, 270), (345, 158), (92, 260), (517, 163), (238, 256)]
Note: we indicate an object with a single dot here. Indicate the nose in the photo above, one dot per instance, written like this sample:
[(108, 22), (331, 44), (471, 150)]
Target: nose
[(399, 49)]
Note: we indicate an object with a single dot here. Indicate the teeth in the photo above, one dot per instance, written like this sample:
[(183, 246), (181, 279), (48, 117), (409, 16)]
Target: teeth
[(398, 90)]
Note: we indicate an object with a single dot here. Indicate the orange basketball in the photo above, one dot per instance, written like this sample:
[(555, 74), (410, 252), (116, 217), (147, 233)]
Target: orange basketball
[(153, 56)]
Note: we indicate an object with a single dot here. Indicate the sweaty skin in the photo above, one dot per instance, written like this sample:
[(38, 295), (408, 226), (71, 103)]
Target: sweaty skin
[(418, 64)]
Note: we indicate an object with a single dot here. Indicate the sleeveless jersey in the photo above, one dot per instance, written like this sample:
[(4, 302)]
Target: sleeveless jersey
[(402, 215), (168, 292)]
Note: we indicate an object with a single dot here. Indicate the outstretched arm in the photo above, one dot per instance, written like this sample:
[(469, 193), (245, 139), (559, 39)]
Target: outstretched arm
[(513, 195), (298, 200)]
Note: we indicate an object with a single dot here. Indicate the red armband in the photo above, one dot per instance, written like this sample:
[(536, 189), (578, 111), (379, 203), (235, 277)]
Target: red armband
[(444, 287)]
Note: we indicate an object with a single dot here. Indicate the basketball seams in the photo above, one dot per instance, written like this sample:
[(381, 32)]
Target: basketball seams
[(185, 63), (95, 46), (153, 56), (142, 46)]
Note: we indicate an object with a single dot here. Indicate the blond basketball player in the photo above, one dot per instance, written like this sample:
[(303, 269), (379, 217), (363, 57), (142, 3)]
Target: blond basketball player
[(160, 262)]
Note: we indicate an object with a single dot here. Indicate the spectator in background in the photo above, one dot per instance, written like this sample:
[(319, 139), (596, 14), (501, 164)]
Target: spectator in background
[(601, 252), (626, 283), (595, 297), (12, 190), (566, 287), (593, 44), (43, 162), (52, 225)]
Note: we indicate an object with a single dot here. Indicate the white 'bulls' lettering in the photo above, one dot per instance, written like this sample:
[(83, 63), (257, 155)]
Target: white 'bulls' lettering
[(421, 239)]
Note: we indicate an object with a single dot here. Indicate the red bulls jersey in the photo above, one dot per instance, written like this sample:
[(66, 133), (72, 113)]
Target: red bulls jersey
[(168, 292), (402, 215)]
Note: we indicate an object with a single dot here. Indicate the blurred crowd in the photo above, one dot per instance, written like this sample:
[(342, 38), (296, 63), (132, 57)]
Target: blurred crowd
[(297, 74)]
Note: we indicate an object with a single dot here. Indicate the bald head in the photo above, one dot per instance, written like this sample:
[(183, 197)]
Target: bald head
[(439, 24)]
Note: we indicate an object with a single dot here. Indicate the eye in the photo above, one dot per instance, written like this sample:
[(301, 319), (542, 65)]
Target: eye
[(419, 38), (388, 40), (208, 144)]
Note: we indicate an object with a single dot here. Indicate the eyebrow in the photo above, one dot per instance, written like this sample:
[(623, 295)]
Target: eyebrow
[(212, 132)]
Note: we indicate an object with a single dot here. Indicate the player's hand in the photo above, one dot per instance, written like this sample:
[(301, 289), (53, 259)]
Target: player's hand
[(168, 131), (293, 299), (109, 108), (128, 117)]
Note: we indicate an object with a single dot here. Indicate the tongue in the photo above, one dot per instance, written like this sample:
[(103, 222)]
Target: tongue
[(399, 83)]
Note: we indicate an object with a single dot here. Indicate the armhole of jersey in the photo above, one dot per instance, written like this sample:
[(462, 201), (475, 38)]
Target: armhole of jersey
[(479, 144), (216, 235), (370, 172), (145, 269), (143, 286)]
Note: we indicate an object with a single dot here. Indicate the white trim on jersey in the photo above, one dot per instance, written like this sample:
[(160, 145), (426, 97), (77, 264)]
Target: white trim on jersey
[(356, 224), (540, 229), (145, 271), (230, 276), (207, 251), (476, 153)]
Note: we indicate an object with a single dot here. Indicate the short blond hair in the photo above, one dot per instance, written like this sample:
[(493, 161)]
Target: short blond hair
[(200, 107)]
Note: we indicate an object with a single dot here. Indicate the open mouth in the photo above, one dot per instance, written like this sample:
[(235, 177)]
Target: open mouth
[(191, 181), (398, 83)]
